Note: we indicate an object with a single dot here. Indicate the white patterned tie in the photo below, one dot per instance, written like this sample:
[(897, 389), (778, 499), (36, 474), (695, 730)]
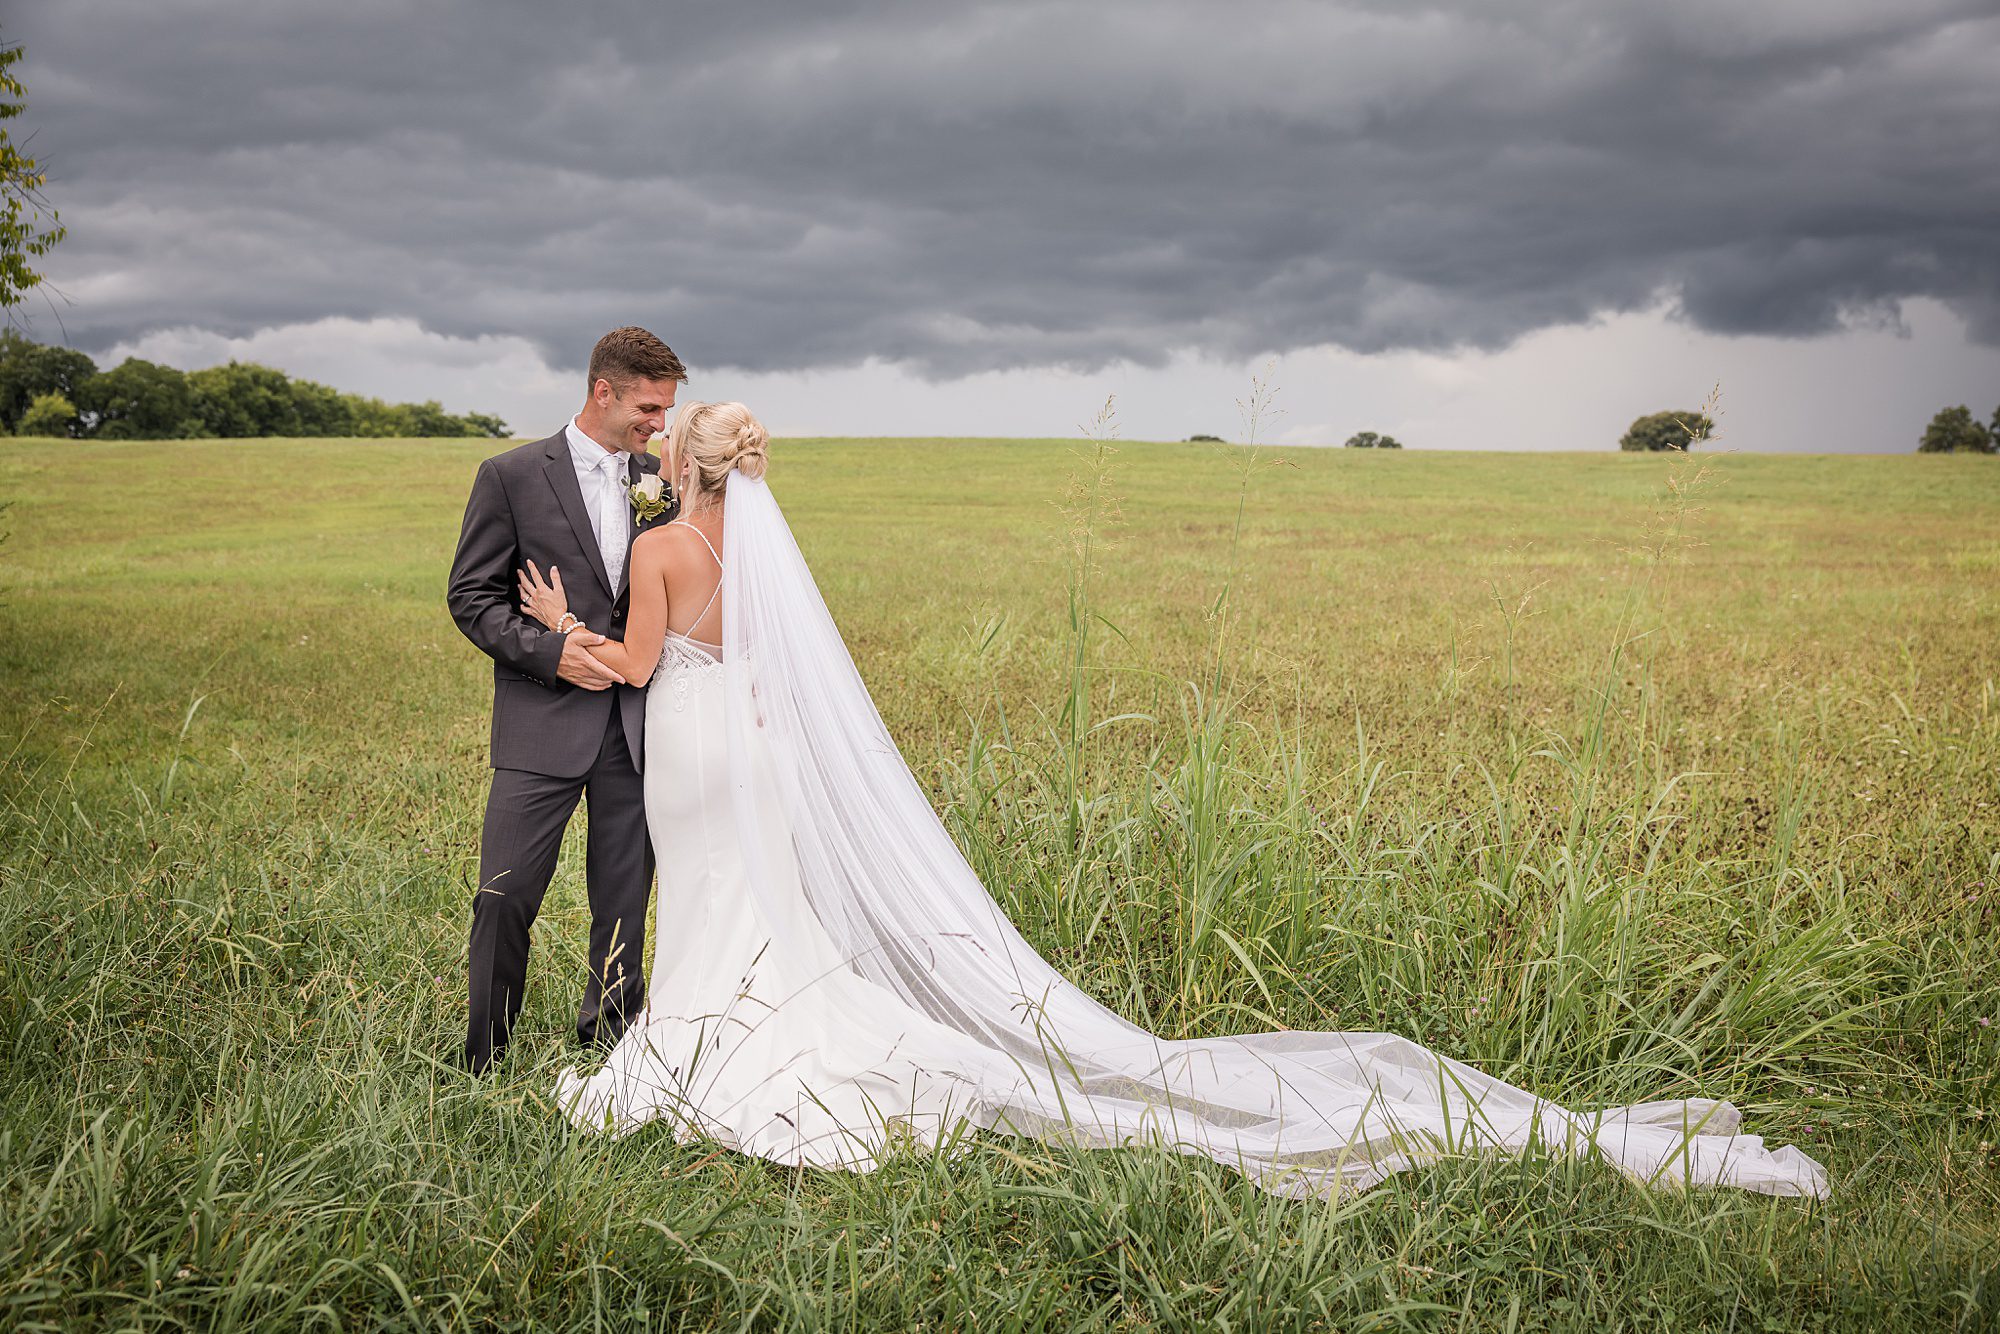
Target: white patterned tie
[(611, 518)]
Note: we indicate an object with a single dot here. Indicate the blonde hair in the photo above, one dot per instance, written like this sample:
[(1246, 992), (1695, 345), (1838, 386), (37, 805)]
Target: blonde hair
[(716, 439)]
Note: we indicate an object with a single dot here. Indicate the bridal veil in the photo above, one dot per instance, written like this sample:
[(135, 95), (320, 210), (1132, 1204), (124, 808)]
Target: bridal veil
[(1300, 1113)]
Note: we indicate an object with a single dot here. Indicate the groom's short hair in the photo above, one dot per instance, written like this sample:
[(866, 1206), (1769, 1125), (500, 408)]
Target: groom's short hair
[(629, 354)]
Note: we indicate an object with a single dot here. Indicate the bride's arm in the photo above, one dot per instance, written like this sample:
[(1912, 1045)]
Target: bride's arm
[(646, 625), (645, 629)]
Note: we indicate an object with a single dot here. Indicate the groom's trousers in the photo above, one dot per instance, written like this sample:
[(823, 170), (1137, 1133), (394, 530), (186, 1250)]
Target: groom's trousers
[(526, 814)]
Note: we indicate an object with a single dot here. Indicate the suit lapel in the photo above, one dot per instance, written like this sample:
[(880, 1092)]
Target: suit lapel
[(561, 473)]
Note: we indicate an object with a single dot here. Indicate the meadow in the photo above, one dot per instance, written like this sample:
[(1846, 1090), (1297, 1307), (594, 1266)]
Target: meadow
[(1621, 776)]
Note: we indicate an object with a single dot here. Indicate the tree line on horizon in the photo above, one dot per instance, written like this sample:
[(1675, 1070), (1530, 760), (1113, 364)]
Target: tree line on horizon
[(58, 391)]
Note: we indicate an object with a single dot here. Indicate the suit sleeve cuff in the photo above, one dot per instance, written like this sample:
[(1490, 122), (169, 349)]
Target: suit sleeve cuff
[(547, 655)]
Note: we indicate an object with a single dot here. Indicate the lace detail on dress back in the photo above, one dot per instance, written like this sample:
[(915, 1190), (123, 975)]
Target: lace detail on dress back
[(685, 663), (681, 651)]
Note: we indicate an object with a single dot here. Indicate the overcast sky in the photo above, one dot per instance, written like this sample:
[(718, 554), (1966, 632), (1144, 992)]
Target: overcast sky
[(1505, 224)]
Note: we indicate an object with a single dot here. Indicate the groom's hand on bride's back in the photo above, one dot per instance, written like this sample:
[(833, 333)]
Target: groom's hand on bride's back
[(579, 668)]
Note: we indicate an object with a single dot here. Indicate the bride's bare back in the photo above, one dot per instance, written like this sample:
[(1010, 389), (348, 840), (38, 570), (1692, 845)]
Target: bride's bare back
[(691, 566)]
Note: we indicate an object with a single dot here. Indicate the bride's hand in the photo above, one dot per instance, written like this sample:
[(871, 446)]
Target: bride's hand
[(543, 600)]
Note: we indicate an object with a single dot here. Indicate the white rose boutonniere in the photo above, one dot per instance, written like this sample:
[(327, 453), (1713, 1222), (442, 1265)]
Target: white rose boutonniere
[(650, 497)]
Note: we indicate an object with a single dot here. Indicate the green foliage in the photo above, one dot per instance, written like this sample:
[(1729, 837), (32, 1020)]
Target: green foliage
[(139, 400), (1663, 834), (1371, 440), (29, 228), (1957, 431), (1668, 431), (49, 414), (373, 417), (429, 419), (244, 399), (1205, 440), (484, 424), (28, 369), (322, 410)]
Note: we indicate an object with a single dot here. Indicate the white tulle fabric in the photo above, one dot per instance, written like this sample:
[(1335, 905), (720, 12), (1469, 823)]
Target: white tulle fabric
[(831, 975)]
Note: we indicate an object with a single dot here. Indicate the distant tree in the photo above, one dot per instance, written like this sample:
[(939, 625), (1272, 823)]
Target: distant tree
[(430, 419), (137, 400), (1370, 440), (49, 414), (29, 228), (28, 370), (242, 399), (1668, 430), (321, 409), (374, 418), (1205, 440), (1956, 431)]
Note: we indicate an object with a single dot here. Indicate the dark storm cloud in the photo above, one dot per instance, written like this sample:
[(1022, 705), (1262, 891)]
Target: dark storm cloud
[(969, 187)]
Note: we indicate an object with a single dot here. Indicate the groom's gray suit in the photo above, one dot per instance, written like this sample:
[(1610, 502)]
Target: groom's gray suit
[(552, 743)]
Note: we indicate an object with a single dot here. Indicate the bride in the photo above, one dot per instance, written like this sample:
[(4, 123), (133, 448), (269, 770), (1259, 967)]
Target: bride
[(831, 977)]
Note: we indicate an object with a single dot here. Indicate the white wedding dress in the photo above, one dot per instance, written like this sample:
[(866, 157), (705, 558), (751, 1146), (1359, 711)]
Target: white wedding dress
[(831, 978), (783, 1053)]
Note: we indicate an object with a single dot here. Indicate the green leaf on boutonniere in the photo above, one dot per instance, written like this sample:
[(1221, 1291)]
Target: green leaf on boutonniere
[(650, 496)]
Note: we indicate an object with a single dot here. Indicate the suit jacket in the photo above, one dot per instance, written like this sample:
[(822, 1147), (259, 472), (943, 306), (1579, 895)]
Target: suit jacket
[(526, 505)]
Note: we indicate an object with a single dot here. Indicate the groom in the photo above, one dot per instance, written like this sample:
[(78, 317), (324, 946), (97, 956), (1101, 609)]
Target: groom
[(564, 725)]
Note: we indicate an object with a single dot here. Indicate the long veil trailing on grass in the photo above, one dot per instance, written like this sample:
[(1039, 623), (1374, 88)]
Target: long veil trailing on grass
[(1300, 1113)]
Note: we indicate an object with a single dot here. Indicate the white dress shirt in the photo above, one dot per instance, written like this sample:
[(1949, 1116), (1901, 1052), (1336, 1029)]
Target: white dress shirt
[(600, 475)]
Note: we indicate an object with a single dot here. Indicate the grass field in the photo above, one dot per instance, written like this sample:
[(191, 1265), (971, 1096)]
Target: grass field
[(1617, 776)]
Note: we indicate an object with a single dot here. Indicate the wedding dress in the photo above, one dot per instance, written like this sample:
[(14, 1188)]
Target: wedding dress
[(831, 977)]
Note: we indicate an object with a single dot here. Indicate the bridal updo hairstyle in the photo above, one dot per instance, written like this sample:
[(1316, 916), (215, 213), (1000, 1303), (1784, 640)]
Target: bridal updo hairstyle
[(716, 438)]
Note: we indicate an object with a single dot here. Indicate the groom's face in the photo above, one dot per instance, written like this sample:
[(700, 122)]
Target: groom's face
[(635, 413)]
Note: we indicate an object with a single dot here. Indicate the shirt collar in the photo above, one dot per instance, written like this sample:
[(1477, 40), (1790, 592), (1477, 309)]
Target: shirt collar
[(589, 455)]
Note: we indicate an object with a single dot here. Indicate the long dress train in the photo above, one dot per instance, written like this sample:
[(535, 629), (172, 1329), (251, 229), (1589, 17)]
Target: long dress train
[(831, 977)]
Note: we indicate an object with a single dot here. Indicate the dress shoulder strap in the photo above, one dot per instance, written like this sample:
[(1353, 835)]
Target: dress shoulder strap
[(715, 592), (683, 523)]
